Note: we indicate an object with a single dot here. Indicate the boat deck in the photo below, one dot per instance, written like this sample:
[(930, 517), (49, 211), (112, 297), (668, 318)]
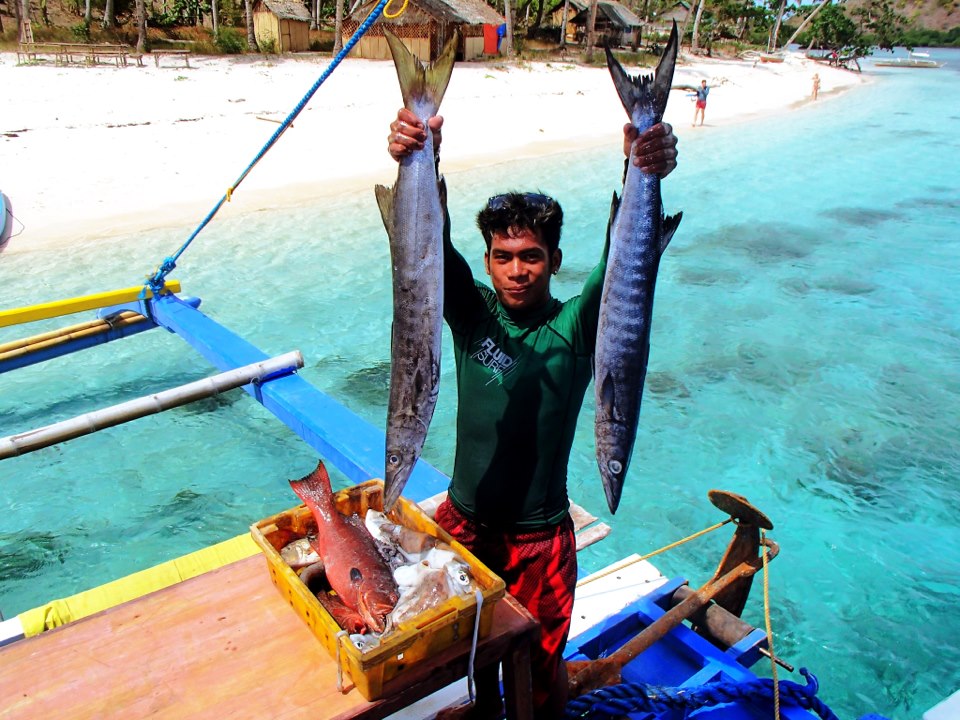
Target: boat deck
[(224, 644)]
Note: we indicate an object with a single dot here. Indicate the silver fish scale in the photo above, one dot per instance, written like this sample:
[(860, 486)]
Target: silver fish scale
[(416, 246), (623, 330)]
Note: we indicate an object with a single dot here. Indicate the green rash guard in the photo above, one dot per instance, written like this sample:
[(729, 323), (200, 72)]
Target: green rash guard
[(520, 385)]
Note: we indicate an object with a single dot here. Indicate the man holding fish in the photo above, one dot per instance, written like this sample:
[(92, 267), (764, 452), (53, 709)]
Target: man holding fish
[(524, 361), (523, 365)]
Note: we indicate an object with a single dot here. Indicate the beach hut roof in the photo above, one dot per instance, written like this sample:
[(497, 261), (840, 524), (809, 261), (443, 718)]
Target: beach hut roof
[(287, 9), (468, 12), (577, 5), (619, 15)]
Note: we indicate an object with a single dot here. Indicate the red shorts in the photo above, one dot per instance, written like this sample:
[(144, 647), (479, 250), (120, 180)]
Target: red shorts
[(701, 104), (539, 569)]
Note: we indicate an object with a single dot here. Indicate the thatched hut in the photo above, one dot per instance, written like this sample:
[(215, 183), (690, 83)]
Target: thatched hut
[(616, 25), (663, 23), (285, 23), (426, 25)]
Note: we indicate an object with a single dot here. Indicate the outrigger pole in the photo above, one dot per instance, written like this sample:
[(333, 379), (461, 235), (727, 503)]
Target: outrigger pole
[(91, 422)]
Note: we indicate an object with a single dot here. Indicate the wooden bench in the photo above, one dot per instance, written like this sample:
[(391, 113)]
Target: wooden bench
[(185, 54), (70, 53)]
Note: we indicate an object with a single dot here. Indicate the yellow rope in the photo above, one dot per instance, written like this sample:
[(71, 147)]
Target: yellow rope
[(766, 617), (617, 568), (396, 14)]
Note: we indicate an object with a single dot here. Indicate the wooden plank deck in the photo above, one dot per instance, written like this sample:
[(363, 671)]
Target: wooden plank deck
[(224, 644)]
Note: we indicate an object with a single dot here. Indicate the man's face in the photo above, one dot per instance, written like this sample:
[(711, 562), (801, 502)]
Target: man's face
[(519, 265)]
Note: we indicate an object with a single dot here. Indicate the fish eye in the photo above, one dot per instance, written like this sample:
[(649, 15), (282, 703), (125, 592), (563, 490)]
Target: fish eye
[(615, 467), (462, 578), (393, 459), (359, 644)]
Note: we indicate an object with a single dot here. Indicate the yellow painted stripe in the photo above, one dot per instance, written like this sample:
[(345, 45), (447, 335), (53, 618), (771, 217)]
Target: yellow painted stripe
[(60, 612), (18, 316)]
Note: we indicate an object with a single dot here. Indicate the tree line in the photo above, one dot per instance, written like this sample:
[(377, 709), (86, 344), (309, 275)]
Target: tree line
[(830, 25)]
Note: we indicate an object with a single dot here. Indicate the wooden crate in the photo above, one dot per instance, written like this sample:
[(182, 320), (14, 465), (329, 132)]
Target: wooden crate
[(414, 640)]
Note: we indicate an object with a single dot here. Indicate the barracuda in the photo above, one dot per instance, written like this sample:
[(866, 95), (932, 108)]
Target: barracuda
[(639, 233), (413, 214)]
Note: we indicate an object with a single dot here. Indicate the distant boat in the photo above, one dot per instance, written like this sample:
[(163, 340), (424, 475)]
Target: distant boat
[(6, 219), (913, 60), (771, 57)]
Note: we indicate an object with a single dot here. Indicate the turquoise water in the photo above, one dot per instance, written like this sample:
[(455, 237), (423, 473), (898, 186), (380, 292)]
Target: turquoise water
[(805, 354)]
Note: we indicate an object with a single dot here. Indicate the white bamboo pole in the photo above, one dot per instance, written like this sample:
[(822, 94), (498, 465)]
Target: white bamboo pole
[(148, 405)]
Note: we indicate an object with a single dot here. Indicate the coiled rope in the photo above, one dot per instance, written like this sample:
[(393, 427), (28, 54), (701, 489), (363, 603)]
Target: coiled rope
[(618, 700), (155, 283)]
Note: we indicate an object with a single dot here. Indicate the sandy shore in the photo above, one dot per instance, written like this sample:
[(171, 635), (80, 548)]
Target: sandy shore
[(94, 152)]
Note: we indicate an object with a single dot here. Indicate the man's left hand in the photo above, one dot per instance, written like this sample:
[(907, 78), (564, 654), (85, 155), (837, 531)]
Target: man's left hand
[(654, 152)]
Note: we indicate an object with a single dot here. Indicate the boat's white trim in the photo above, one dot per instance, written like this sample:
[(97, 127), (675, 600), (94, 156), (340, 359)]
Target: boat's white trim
[(11, 630), (608, 591), (948, 709)]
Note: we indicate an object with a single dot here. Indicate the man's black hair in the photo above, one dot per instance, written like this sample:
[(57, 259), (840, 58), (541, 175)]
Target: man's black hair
[(524, 211)]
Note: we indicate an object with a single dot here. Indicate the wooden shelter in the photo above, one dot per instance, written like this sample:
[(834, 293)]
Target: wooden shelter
[(573, 7), (663, 23), (286, 23), (616, 25), (425, 26)]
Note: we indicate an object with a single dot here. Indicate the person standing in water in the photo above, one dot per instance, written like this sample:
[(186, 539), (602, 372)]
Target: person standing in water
[(701, 108)]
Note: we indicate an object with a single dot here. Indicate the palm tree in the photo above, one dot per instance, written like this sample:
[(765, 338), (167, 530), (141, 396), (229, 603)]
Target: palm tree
[(338, 26), (141, 10), (591, 29), (563, 24), (695, 40), (215, 15), (109, 19), (806, 21), (251, 35), (508, 38), (772, 44)]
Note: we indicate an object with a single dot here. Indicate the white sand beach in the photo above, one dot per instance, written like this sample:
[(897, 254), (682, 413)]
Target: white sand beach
[(90, 152)]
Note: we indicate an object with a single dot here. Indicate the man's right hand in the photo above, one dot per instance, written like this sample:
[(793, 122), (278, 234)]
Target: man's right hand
[(408, 134)]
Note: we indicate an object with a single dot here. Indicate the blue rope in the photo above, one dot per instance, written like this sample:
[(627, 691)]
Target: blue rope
[(618, 700), (156, 282)]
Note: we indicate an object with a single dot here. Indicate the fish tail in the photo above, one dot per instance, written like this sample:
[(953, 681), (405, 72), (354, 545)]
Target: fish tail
[(649, 92), (314, 489), (420, 84)]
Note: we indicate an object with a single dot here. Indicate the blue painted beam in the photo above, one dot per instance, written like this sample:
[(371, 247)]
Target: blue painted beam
[(76, 344), (351, 444)]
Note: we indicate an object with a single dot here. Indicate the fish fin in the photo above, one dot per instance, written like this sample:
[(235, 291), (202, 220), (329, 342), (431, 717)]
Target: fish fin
[(670, 225), (614, 209), (418, 83), (608, 397), (442, 189), (650, 91), (385, 203), (315, 487)]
